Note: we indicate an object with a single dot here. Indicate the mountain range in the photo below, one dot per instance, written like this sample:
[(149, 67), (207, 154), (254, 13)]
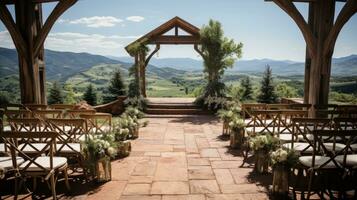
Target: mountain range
[(63, 65), (344, 66)]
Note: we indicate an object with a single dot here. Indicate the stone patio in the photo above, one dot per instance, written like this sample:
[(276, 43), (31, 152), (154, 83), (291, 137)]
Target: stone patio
[(176, 157), (181, 158)]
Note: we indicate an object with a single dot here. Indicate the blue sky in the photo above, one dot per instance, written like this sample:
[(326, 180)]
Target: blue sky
[(106, 26)]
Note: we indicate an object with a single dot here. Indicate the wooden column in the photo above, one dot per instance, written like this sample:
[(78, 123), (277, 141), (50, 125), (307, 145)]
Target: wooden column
[(28, 68), (308, 58), (142, 73), (323, 14)]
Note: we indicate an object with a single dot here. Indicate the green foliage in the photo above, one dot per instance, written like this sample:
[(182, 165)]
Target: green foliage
[(284, 90), (343, 98), (138, 102), (116, 87), (55, 94), (138, 46), (218, 53), (134, 112), (247, 89), (134, 89), (4, 98), (267, 93), (264, 142), (236, 123), (99, 146), (90, 95), (69, 94)]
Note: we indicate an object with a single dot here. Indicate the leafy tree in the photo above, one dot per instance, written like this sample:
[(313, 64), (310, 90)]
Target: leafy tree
[(218, 53), (267, 93), (284, 90), (70, 95), (247, 90), (90, 95), (4, 98), (116, 87), (55, 94)]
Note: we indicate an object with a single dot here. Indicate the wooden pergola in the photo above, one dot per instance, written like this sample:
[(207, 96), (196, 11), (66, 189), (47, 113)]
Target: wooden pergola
[(159, 37), (320, 32), (28, 33)]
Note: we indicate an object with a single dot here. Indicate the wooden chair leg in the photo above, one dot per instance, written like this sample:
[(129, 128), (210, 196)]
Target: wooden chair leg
[(310, 184), (53, 187), (66, 179)]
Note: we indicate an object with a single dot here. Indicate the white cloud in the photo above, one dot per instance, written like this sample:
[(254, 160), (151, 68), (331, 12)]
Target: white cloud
[(135, 18), (91, 43), (97, 21), (6, 40)]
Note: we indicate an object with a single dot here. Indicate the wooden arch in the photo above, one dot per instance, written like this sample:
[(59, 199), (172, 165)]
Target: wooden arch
[(320, 32), (159, 37), (28, 33)]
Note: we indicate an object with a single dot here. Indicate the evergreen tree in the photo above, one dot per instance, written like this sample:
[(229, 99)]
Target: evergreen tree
[(55, 94), (116, 87), (247, 93), (90, 95), (70, 95), (267, 93)]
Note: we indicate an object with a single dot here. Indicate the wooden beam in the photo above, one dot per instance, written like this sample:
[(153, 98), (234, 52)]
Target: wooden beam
[(60, 8), (289, 7), (14, 31), (175, 40), (33, 1), (348, 10)]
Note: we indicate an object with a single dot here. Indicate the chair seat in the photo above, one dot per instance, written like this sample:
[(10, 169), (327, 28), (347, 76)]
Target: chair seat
[(68, 148), (300, 146), (6, 162), (338, 146), (29, 149), (354, 147), (285, 137), (7, 128), (44, 161), (310, 137), (351, 160), (319, 160), (2, 147)]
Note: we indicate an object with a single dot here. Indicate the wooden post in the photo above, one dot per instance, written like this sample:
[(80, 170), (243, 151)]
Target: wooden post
[(323, 12), (142, 74), (308, 59), (28, 68)]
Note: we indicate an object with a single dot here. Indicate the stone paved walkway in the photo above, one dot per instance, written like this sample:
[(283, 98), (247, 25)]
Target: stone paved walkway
[(180, 158)]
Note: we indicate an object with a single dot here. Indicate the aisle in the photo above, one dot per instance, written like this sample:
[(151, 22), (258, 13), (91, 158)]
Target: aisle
[(181, 158)]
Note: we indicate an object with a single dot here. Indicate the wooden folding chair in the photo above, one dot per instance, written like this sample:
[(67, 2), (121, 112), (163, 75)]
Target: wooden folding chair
[(301, 106), (266, 121), (41, 163), (302, 138), (98, 123), (277, 106), (61, 106), (44, 114), (75, 114), (286, 123), (246, 111), (68, 143), (330, 164), (36, 106), (17, 114)]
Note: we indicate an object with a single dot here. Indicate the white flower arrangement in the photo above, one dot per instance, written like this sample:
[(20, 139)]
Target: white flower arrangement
[(283, 156), (263, 142), (236, 123), (98, 147)]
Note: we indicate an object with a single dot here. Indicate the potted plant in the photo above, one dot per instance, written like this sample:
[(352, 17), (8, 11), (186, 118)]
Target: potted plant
[(261, 145), (130, 123), (123, 144), (97, 152), (282, 160), (226, 117), (237, 128)]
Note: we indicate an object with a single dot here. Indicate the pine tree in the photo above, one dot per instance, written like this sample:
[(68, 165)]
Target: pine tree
[(267, 93), (90, 95), (55, 94), (247, 89), (70, 95), (116, 87)]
